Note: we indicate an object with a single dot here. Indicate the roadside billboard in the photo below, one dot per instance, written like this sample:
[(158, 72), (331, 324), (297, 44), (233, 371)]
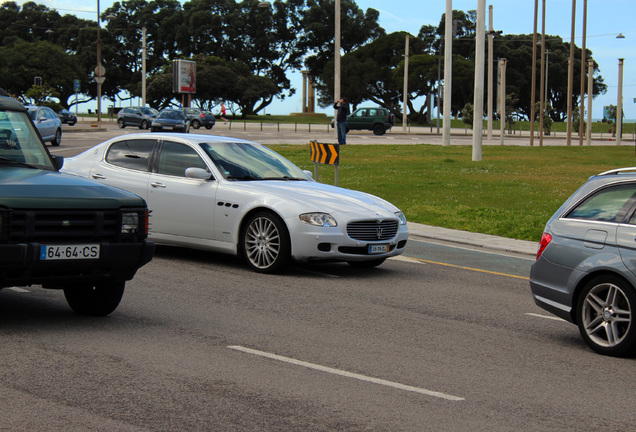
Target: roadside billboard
[(184, 76)]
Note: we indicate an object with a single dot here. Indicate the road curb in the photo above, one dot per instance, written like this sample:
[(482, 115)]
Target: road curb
[(484, 241)]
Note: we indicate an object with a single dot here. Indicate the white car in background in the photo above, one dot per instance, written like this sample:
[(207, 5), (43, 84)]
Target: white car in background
[(239, 197)]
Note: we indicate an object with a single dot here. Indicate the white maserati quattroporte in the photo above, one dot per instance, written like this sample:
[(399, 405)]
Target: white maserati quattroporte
[(239, 197)]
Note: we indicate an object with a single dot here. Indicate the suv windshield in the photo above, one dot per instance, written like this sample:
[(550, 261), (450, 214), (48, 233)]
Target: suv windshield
[(20, 143)]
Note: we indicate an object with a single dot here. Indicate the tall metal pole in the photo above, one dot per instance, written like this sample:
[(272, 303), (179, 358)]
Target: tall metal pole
[(571, 75), (143, 67), (439, 87), (406, 83), (590, 91), (448, 72), (98, 69), (533, 83), (582, 106), (619, 104), (490, 60), (542, 79), (336, 84), (478, 110), (502, 98), (547, 69)]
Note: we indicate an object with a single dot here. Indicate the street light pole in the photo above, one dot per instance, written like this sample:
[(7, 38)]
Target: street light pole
[(448, 72), (490, 59), (619, 104), (533, 84), (478, 111), (542, 78), (98, 70), (336, 84), (406, 83), (590, 91), (571, 75), (582, 109), (143, 67)]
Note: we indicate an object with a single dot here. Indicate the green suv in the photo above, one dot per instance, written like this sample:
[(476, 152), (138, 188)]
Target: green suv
[(61, 231), (378, 120)]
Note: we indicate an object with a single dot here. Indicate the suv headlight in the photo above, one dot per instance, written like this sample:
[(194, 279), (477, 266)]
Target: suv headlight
[(401, 217), (318, 219), (129, 223)]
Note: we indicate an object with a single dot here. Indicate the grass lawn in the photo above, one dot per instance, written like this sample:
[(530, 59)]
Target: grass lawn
[(512, 192)]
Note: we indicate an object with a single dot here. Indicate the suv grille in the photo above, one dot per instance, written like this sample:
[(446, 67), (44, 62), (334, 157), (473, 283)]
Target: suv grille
[(372, 230), (62, 225)]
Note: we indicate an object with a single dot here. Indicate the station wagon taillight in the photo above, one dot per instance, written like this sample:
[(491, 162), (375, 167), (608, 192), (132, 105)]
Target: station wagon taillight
[(545, 241)]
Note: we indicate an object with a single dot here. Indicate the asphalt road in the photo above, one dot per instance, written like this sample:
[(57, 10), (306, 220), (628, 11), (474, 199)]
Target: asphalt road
[(200, 343), (441, 339)]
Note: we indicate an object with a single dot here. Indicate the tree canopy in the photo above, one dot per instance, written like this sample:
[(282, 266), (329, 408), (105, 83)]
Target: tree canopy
[(245, 52)]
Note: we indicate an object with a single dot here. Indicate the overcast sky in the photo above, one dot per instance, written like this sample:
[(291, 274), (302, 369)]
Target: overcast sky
[(605, 20)]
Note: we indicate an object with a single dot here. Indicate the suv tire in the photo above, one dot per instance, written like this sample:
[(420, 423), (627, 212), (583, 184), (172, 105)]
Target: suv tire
[(379, 129), (98, 300)]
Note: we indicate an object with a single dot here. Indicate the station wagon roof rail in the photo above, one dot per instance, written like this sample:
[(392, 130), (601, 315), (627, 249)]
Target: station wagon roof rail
[(618, 171)]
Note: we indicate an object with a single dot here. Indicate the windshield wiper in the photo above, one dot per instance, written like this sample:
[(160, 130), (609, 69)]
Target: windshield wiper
[(286, 178), (15, 162), (245, 177)]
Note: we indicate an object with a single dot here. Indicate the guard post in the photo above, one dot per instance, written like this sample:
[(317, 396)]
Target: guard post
[(328, 154)]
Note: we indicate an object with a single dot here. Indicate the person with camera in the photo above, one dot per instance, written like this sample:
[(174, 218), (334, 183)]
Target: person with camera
[(342, 108)]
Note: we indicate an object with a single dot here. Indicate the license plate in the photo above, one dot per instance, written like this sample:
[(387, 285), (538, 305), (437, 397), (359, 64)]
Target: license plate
[(167, 127), (376, 249), (69, 252)]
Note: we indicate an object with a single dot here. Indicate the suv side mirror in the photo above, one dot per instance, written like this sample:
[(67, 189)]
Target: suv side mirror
[(58, 161)]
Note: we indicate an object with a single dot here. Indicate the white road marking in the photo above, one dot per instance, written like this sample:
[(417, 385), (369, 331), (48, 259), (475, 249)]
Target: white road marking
[(546, 317), (406, 259), (347, 374)]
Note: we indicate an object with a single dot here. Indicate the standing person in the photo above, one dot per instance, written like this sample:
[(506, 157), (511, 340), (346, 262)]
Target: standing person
[(341, 119), (223, 113)]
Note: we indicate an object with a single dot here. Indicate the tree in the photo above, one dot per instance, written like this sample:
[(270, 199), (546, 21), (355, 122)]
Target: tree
[(318, 21), (22, 61), (468, 114), (219, 80), (517, 49)]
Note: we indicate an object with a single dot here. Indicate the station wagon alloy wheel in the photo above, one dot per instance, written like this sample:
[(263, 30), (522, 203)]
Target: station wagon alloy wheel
[(606, 313)]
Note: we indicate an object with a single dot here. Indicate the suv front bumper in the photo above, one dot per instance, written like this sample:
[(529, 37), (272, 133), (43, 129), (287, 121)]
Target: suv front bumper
[(20, 265)]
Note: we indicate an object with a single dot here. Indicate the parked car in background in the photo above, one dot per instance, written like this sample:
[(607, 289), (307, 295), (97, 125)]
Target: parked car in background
[(585, 271), (199, 117), (47, 122), (239, 197), (378, 120), (141, 117), (60, 231), (171, 120), (67, 117)]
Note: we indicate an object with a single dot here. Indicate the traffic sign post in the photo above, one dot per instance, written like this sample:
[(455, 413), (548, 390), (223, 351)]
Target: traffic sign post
[(327, 154)]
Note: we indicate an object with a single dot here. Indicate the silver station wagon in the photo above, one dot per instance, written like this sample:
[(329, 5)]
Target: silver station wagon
[(585, 271)]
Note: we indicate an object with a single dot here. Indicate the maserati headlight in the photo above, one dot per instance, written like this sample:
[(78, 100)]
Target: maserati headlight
[(318, 219), (401, 217)]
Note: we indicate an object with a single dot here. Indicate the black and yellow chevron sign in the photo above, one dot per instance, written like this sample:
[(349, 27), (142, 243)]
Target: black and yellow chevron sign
[(325, 153)]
